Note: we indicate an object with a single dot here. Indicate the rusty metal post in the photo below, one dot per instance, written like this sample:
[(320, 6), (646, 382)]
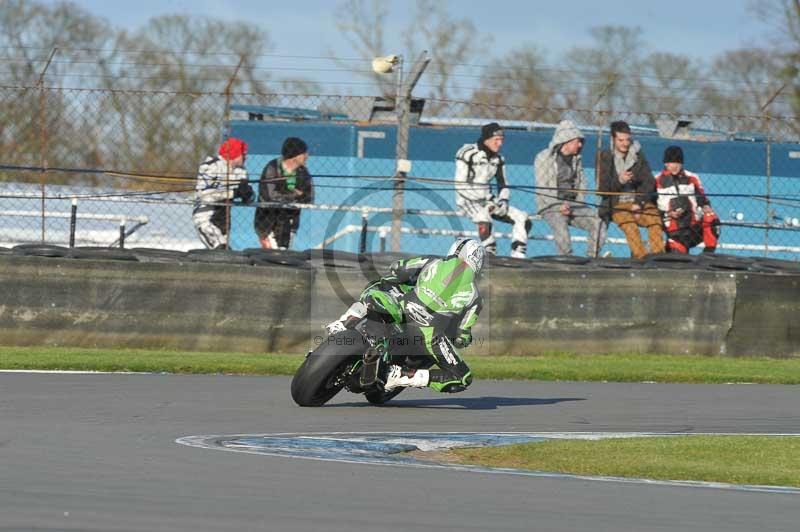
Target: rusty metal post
[(228, 89), (43, 137)]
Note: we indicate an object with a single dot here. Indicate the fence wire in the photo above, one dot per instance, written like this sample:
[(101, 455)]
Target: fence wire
[(92, 167)]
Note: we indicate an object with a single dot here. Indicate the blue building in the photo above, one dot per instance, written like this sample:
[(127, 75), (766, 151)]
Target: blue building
[(757, 198)]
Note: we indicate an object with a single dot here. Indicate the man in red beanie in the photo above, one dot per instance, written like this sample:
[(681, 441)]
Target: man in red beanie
[(680, 195), (220, 179)]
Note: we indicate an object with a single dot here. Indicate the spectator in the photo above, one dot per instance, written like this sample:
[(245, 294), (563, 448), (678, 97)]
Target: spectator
[(629, 190), (560, 185), (283, 180), (680, 194), (476, 165), (215, 180)]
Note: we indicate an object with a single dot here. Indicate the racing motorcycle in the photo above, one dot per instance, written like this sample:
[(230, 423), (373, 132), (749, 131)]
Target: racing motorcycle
[(354, 360)]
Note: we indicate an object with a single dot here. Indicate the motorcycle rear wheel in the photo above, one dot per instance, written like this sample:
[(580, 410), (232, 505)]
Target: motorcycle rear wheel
[(379, 397)]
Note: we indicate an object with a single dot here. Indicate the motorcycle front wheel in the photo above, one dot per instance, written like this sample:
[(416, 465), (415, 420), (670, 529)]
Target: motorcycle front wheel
[(320, 376)]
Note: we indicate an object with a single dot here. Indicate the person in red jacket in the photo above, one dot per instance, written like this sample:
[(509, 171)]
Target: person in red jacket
[(680, 197)]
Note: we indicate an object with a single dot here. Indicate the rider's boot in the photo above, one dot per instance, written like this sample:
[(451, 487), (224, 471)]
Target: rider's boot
[(406, 377), (518, 250), (351, 316)]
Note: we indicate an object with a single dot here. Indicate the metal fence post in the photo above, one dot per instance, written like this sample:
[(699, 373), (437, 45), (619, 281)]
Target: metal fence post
[(768, 169), (402, 107), (122, 233), (43, 136), (228, 88), (73, 222), (362, 241)]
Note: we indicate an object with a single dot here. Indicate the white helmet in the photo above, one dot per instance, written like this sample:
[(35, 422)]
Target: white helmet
[(470, 251)]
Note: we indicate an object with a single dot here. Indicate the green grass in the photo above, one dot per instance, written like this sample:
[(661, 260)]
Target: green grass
[(760, 460), (146, 361), (639, 368), (618, 368)]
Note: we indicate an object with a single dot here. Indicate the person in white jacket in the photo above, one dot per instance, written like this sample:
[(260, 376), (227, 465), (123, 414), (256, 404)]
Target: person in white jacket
[(476, 165), (560, 186), (220, 179)]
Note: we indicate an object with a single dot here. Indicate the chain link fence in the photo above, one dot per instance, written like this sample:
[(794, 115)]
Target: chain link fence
[(115, 168)]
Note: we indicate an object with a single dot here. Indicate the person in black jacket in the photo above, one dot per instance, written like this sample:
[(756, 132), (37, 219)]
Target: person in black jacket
[(284, 180), (629, 191)]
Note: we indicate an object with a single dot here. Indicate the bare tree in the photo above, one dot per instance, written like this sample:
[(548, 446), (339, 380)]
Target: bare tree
[(667, 83), (31, 30), (739, 83), (192, 53), (38, 124), (609, 70), (783, 18), (517, 88), (184, 64), (362, 23), (450, 42)]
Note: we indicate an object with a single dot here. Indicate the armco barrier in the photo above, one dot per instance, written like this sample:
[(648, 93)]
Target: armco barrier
[(262, 302)]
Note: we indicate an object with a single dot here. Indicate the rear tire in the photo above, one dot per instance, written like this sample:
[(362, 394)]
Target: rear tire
[(379, 397), (318, 378)]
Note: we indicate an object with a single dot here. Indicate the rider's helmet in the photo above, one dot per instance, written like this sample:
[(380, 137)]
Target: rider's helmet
[(470, 251)]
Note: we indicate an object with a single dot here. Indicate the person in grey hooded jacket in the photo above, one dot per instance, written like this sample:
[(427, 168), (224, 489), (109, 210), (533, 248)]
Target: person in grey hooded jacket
[(560, 186)]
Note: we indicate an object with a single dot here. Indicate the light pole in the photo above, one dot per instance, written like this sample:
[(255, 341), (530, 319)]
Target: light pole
[(386, 65)]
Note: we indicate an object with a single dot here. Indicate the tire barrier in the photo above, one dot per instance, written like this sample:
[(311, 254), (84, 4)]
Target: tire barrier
[(40, 250), (611, 263), (380, 262), (280, 257), (333, 258), (216, 256), (99, 253), (158, 255), (493, 261)]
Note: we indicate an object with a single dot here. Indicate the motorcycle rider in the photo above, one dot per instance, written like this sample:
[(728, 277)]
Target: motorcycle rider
[(437, 301)]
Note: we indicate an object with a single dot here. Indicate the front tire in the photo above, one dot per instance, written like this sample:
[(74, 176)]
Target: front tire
[(319, 377)]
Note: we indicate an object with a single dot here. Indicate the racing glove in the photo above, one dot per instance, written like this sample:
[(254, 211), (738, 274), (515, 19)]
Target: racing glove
[(244, 191)]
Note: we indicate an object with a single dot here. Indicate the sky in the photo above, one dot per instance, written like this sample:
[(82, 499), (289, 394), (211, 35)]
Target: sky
[(699, 28)]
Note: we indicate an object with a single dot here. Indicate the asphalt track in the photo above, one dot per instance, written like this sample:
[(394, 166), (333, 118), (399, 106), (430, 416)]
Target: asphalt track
[(98, 453)]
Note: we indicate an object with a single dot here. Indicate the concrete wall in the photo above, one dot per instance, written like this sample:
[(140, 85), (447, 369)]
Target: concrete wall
[(186, 306), (269, 308)]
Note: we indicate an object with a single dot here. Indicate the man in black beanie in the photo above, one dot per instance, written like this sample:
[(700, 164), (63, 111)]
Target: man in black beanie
[(284, 180), (476, 165), (680, 194)]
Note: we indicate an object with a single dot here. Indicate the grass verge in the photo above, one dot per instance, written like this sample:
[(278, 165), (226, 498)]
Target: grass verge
[(613, 368), (146, 361), (758, 460)]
